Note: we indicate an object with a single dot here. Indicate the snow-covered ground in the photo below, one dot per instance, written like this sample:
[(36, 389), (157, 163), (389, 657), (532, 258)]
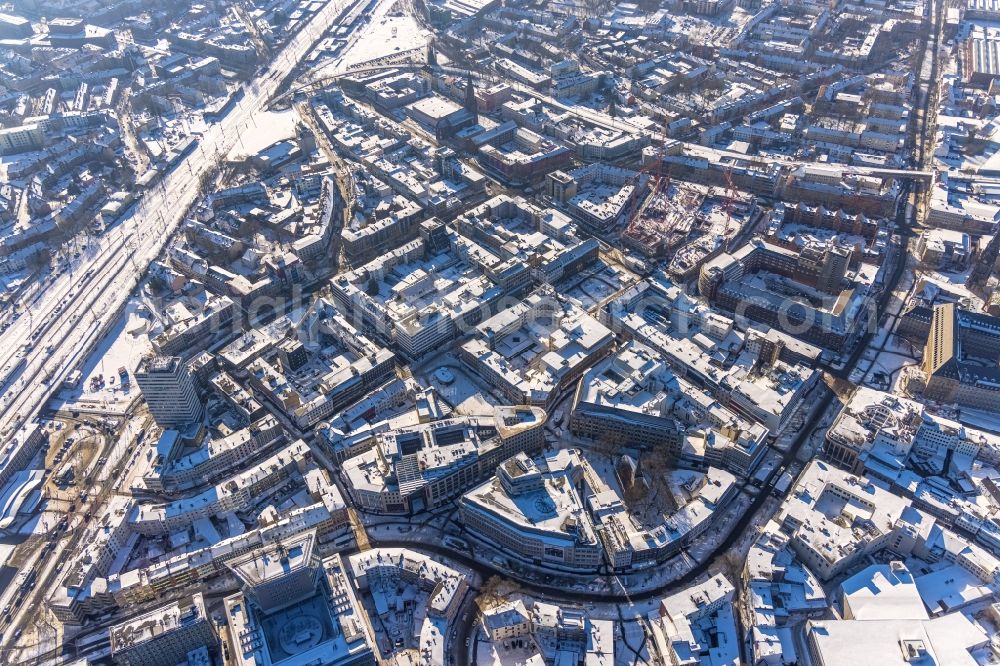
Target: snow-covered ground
[(6, 550), (123, 346), (42, 522), (466, 394), (885, 371), (267, 128), (882, 364), (632, 646), (383, 35)]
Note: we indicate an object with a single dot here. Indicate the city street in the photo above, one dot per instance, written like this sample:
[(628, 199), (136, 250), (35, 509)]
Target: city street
[(72, 314)]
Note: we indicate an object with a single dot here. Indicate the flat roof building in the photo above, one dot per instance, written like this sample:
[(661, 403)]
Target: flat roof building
[(626, 398), (698, 625), (536, 348), (555, 512), (169, 390), (164, 636), (422, 294), (801, 292), (328, 627), (962, 358), (536, 513), (280, 574), (949, 639), (413, 469)]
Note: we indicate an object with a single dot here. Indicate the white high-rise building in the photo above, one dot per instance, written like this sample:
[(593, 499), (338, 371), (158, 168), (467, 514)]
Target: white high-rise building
[(169, 390)]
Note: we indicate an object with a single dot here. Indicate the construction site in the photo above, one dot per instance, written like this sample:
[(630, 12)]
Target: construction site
[(665, 219)]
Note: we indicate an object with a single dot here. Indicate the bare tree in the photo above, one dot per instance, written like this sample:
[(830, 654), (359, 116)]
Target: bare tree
[(495, 591)]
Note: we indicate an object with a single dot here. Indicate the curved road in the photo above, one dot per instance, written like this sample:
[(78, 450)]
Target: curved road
[(485, 569), (78, 308), (72, 314)]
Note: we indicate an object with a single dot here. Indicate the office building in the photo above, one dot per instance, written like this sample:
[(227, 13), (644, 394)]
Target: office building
[(280, 574), (961, 358), (164, 636), (169, 390), (325, 626)]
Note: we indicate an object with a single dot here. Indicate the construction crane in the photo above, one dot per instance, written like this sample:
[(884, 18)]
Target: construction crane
[(730, 192), (658, 183)]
